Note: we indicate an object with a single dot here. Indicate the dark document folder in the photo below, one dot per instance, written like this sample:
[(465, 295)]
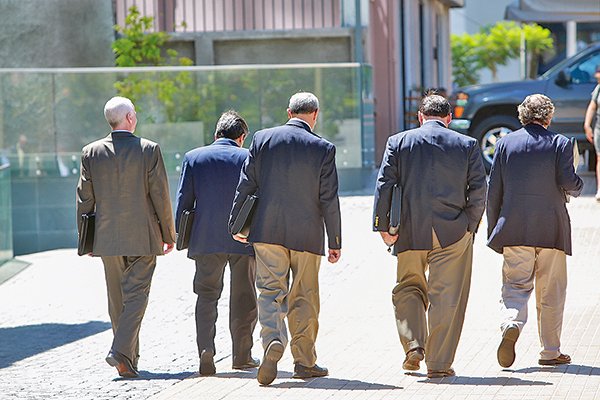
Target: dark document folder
[(241, 225), (395, 210), (185, 229), (85, 244)]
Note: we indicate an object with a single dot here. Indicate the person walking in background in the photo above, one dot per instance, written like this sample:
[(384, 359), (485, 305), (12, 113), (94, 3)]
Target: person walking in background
[(293, 172), (592, 133), (442, 177), (123, 180), (529, 225), (209, 178)]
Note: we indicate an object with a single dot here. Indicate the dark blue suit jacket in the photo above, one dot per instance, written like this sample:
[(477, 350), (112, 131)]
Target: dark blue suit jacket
[(443, 180), (209, 177), (293, 171), (531, 172)]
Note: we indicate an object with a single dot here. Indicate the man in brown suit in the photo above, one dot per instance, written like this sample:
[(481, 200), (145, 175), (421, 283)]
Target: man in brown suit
[(123, 180)]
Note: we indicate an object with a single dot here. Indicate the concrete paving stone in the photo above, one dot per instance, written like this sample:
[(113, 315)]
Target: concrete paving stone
[(55, 332)]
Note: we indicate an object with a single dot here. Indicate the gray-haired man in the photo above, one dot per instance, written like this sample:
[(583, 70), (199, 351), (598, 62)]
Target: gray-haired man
[(293, 171)]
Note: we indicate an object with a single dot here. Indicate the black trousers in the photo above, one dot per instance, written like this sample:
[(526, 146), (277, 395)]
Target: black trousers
[(208, 285)]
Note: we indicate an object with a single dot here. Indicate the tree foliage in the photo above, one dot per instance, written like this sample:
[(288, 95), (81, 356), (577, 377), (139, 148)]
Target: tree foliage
[(494, 46)]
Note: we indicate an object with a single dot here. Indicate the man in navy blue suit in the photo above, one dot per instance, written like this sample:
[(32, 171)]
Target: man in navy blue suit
[(293, 172), (443, 194), (209, 177), (532, 174)]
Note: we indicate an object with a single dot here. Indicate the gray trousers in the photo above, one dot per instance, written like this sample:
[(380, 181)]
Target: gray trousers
[(208, 285), (430, 311), (128, 281)]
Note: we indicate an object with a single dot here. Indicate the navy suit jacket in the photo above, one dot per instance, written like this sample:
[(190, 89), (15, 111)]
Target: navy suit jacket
[(208, 180), (531, 172), (293, 171), (443, 181)]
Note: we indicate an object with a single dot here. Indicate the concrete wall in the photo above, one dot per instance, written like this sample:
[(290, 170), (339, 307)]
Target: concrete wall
[(56, 33), (268, 47)]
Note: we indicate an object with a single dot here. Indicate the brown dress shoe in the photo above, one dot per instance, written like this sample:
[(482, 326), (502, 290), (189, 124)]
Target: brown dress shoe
[(207, 363), (251, 363), (443, 373), (413, 359), (560, 360), (302, 372), (122, 364), (267, 372), (506, 351)]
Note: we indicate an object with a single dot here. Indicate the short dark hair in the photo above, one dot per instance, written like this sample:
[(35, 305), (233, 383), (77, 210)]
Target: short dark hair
[(434, 105), (231, 125)]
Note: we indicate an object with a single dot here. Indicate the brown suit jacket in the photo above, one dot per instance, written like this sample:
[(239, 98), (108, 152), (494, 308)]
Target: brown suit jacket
[(123, 179)]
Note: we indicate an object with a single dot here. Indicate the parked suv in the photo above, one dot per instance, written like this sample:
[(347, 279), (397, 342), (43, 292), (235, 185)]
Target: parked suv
[(488, 112)]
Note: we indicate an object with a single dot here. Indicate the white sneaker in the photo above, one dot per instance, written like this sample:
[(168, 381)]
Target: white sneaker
[(597, 196)]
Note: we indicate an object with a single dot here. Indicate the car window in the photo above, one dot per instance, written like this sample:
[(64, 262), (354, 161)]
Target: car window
[(583, 71)]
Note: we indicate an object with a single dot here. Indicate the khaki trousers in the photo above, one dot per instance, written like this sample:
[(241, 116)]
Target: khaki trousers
[(430, 310), (277, 300), (548, 268), (128, 281)]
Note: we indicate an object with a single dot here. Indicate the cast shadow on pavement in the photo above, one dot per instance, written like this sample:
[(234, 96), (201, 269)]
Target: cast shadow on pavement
[(21, 342), (326, 383), (571, 369), (161, 376), (483, 381)]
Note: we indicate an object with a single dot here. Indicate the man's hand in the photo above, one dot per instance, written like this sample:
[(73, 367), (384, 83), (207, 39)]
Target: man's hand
[(240, 238), (388, 239), (589, 133), (168, 247), (334, 255)]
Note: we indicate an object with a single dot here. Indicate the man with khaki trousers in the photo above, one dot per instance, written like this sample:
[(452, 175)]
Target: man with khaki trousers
[(532, 174), (442, 177), (293, 172), (123, 180)]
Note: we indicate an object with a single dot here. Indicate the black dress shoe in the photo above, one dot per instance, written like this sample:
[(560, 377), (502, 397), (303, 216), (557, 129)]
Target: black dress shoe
[(302, 372), (207, 363), (251, 363), (122, 364)]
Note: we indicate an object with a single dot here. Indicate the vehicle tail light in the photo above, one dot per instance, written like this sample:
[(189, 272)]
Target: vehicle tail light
[(461, 102)]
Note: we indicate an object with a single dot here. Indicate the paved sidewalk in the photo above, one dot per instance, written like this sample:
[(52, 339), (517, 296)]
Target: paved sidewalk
[(55, 332)]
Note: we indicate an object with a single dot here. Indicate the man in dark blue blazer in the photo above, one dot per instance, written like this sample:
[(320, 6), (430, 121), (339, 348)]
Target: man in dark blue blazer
[(292, 170), (443, 184), (532, 174), (208, 180)]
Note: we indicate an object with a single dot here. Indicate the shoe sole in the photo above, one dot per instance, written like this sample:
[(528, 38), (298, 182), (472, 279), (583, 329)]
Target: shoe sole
[(413, 360), (267, 372), (121, 368), (506, 351), (207, 364)]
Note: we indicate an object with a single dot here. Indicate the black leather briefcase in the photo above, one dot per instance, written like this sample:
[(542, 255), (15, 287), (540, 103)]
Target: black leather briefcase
[(185, 229), (85, 244), (241, 225)]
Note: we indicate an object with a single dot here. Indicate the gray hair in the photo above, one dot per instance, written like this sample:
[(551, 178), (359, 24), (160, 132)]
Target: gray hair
[(536, 108), (303, 103), (116, 109)]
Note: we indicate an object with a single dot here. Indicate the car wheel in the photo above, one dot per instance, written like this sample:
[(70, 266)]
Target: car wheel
[(489, 131)]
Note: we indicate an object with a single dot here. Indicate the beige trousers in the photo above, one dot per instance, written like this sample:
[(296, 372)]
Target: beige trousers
[(128, 281), (548, 268), (298, 302), (430, 310)]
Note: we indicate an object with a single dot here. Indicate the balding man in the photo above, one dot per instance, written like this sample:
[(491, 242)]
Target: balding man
[(443, 192), (292, 170), (123, 180)]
